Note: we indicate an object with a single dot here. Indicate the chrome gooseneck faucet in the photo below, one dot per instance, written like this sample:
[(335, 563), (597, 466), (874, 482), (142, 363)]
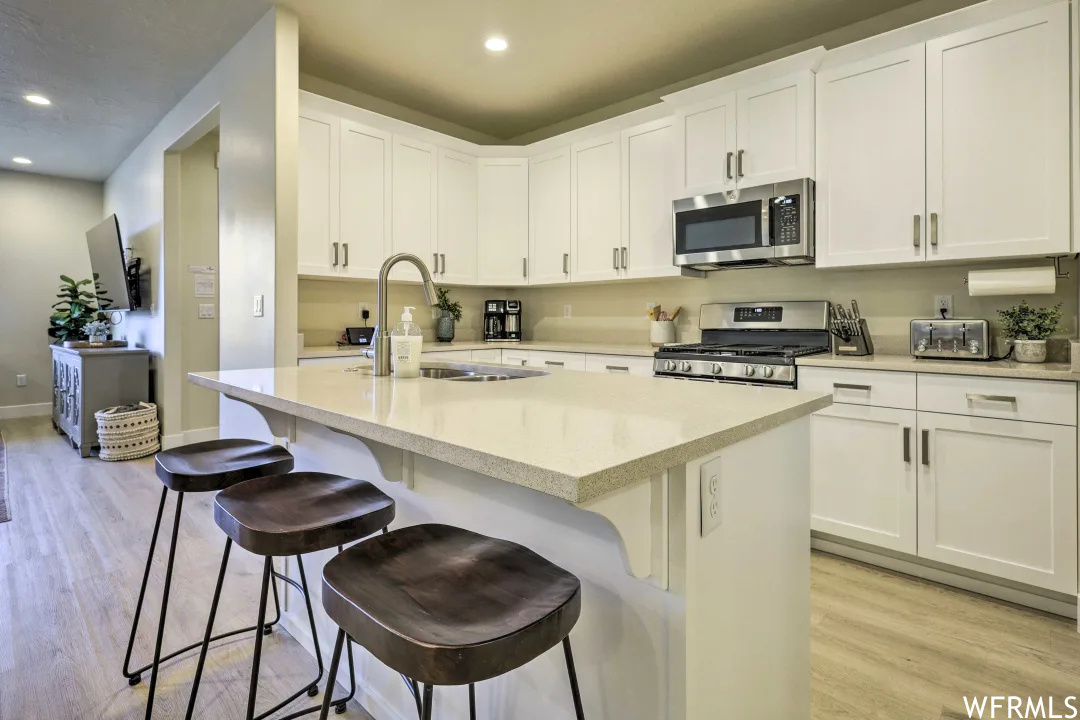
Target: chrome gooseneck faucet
[(381, 352)]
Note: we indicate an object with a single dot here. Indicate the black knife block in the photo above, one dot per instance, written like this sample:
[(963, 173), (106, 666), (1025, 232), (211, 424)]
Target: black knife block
[(855, 345)]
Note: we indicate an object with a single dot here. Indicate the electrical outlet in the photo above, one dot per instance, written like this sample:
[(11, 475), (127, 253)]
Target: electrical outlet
[(566, 311), (943, 302), (258, 310), (710, 496), (206, 311), (20, 381)]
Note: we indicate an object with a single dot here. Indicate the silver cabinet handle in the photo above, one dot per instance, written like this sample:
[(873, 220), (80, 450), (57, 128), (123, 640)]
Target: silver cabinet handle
[(442, 256), (739, 163), (933, 229), (729, 156), (907, 444), (555, 363), (926, 448), (566, 263), (847, 386), (615, 258), (624, 258), (617, 368), (435, 261), (524, 267), (973, 397), (335, 254), (917, 232), (346, 247)]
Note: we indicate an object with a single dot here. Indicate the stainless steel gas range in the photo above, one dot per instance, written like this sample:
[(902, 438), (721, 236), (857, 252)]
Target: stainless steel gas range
[(754, 343)]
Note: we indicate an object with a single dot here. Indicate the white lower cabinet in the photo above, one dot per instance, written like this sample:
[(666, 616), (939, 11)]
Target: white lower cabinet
[(487, 355), (620, 364), (556, 360), (864, 475), (447, 355), (999, 497)]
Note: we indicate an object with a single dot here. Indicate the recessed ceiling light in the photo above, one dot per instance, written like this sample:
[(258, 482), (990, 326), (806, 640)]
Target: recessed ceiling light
[(496, 44), (37, 99), (21, 160)]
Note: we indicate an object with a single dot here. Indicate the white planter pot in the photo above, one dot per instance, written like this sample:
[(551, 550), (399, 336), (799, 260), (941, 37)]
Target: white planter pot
[(661, 332), (99, 338), (1029, 351)]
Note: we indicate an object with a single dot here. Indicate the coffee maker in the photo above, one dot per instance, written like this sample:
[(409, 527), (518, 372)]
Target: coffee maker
[(502, 321)]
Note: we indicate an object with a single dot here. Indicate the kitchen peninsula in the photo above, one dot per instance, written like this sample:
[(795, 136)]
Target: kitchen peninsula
[(683, 507)]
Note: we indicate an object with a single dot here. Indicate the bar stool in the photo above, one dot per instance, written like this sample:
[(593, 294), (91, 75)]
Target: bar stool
[(198, 467), (446, 606), (286, 515)]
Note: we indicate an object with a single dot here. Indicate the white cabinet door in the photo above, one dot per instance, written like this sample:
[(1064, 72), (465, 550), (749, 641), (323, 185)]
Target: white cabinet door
[(317, 184), (871, 169), (648, 185), (596, 208), (864, 475), (447, 355), (705, 145), (776, 131), (619, 364), (999, 497), (415, 204), (488, 355), (555, 360), (366, 206), (515, 357), (504, 221), (997, 130), (457, 196), (549, 218)]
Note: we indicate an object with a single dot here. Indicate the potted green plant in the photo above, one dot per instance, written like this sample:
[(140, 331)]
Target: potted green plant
[(449, 313), (76, 308), (97, 331), (1028, 328)]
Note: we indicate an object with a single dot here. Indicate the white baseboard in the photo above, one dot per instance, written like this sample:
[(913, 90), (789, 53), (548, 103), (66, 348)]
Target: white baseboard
[(201, 435), (168, 442), (10, 412)]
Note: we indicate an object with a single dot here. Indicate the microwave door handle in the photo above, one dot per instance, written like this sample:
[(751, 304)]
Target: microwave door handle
[(766, 226)]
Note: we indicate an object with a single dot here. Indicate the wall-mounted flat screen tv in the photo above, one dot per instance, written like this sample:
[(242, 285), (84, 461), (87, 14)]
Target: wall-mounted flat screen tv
[(108, 263)]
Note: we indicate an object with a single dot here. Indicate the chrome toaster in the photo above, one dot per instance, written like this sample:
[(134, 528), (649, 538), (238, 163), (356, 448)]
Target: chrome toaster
[(950, 339)]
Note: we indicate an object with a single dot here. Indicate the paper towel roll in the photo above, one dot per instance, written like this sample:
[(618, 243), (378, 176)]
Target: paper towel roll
[(1013, 281)]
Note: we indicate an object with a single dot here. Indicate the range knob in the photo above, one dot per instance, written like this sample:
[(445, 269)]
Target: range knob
[(766, 371), (973, 347), (685, 366), (748, 371), (717, 369), (669, 365)]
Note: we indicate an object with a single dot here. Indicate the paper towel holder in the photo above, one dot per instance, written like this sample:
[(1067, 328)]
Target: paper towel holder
[(1059, 274)]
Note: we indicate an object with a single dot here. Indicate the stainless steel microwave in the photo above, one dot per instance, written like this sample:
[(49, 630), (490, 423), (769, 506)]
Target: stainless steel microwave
[(749, 227)]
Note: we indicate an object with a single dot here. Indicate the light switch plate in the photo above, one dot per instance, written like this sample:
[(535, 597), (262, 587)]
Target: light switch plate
[(710, 497), (206, 311), (20, 381), (258, 306)]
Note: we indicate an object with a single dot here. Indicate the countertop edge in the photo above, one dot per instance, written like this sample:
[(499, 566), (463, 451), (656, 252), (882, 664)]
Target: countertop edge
[(585, 348), (576, 490), (1055, 372)]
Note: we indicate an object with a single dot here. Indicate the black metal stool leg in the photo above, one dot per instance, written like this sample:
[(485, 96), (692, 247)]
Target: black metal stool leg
[(135, 677), (332, 677), (164, 606), (209, 629), (254, 686), (429, 700), (472, 701), (573, 678)]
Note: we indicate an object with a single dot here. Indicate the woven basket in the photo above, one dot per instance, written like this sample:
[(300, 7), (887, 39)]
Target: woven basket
[(127, 432)]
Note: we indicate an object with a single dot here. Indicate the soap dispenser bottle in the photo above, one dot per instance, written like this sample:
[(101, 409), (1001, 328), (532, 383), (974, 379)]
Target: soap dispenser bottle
[(406, 343)]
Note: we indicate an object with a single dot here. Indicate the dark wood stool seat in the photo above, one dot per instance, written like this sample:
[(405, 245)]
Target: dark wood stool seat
[(301, 512), (446, 606), (217, 464)]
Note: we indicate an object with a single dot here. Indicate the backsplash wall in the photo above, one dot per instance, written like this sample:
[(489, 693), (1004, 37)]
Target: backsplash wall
[(615, 312)]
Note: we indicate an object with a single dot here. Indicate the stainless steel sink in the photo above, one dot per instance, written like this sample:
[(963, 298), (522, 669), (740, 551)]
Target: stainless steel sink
[(446, 373), (482, 378), (465, 372)]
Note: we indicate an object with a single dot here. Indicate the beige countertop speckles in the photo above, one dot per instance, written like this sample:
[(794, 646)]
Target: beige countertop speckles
[(983, 368), (574, 435)]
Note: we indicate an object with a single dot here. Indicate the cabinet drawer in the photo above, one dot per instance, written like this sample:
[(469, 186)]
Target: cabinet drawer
[(861, 387), (558, 360), (1033, 400), (515, 357), (625, 364), (345, 361), (487, 355), (448, 355)]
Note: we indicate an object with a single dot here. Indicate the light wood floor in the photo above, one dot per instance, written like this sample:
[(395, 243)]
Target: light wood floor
[(883, 646)]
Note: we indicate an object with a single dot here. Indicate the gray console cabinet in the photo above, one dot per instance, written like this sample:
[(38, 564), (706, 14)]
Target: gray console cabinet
[(86, 380)]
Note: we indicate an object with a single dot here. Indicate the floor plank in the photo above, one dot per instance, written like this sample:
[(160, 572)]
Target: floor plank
[(883, 646)]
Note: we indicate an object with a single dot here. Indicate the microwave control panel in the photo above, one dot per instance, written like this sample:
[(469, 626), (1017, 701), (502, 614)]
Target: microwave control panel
[(785, 220)]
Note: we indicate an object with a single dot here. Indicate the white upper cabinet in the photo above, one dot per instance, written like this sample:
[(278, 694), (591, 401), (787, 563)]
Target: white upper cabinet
[(366, 207), (317, 181), (415, 202), (549, 217), (871, 176), (596, 208), (997, 130), (457, 198), (705, 144), (648, 183), (775, 131), (503, 240)]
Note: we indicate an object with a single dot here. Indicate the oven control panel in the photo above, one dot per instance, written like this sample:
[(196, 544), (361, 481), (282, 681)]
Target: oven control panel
[(724, 370), (759, 314)]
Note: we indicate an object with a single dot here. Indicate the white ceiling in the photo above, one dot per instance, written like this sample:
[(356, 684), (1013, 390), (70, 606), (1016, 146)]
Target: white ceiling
[(112, 68)]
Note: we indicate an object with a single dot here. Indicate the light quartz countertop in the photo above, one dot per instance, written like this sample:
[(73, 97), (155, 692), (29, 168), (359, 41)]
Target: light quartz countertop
[(641, 349), (574, 435), (983, 368)]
